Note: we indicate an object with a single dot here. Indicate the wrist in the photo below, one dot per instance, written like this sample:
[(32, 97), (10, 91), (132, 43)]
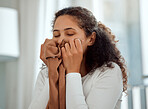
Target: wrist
[(72, 71)]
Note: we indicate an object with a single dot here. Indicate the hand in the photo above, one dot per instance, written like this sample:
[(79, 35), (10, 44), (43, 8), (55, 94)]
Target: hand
[(72, 56)]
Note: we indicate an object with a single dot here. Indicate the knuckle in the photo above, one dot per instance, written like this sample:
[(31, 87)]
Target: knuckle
[(81, 51), (70, 55), (75, 51)]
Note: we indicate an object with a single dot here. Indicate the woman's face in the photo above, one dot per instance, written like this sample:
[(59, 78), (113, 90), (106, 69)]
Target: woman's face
[(66, 28)]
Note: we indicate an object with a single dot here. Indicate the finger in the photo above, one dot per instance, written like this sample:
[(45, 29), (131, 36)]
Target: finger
[(63, 52), (67, 48), (78, 45), (72, 45)]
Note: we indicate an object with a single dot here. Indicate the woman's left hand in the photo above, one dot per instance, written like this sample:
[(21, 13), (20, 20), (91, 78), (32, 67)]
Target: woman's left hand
[(72, 55)]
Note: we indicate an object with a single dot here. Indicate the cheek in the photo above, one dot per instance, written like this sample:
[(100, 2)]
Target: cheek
[(84, 45), (82, 37)]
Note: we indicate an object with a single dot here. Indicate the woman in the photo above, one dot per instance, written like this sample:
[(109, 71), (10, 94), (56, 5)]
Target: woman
[(95, 71)]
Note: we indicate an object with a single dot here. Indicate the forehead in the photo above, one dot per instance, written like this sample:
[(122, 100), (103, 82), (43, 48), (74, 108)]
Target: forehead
[(65, 21)]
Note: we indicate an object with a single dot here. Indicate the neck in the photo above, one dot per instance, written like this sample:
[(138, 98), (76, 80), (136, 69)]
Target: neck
[(83, 68)]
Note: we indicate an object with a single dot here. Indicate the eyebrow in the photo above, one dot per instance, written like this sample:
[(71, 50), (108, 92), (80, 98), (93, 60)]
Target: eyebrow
[(65, 29)]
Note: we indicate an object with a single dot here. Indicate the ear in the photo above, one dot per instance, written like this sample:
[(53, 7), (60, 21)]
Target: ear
[(91, 39)]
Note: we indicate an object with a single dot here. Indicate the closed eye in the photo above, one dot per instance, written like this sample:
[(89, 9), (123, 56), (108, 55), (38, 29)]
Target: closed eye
[(57, 36), (67, 34), (70, 34)]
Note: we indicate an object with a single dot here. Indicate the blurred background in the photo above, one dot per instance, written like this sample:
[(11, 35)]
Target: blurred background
[(24, 25)]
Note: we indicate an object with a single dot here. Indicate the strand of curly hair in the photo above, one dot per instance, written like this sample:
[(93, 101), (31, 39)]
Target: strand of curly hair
[(120, 61)]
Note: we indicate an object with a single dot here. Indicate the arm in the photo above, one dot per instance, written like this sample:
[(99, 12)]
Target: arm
[(75, 98), (104, 93)]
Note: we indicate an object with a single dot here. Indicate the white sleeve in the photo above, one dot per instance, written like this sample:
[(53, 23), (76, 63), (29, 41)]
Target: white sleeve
[(104, 93), (75, 98), (41, 92)]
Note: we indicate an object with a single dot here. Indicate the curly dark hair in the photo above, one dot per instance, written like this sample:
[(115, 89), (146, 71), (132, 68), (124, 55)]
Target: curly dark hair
[(104, 50)]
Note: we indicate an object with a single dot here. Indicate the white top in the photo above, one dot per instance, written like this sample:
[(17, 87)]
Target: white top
[(100, 90)]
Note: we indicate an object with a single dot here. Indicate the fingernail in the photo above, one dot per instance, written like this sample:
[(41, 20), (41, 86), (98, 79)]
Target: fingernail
[(79, 40)]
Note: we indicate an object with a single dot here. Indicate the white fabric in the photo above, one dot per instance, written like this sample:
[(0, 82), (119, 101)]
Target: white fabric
[(100, 90)]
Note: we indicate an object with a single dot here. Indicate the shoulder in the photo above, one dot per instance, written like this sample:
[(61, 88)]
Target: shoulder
[(107, 87), (112, 71), (44, 72), (108, 76)]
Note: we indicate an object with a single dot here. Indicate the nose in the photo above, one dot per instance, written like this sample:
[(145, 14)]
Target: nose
[(61, 41)]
